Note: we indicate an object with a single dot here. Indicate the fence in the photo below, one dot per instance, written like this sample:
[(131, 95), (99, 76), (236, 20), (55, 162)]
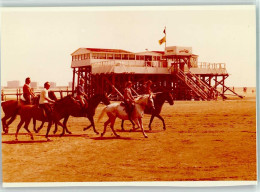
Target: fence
[(17, 93)]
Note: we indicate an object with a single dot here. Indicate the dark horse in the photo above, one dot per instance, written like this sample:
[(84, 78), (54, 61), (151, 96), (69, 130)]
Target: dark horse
[(159, 99), (79, 112), (61, 108), (11, 109)]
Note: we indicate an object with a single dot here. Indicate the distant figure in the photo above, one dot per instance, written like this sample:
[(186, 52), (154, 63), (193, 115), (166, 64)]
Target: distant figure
[(45, 101), (81, 95), (147, 87), (233, 88), (245, 89), (129, 99), (253, 90), (27, 91)]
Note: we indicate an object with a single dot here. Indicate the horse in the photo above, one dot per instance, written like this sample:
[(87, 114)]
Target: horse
[(159, 100), (115, 110), (11, 109), (93, 102), (61, 107)]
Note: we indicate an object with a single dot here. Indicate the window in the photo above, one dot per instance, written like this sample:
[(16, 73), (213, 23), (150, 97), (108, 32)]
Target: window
[(94, 56), (141, 57), (101, 55), (110, 56), (117, 56), (132, 57), (125, 57)]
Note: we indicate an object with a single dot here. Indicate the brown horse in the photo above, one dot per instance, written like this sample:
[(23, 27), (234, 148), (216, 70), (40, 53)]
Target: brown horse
[(93, 102), (62, 107), (11, 109), (159, 100)]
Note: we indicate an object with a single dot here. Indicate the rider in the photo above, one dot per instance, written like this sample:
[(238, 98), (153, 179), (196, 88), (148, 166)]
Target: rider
[(81, 95), (27, 91), (129, 99), (147, 88), (45, 101)]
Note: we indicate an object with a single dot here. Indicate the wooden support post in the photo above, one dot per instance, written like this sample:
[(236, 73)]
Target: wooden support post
[(2, 95), (73, 81)]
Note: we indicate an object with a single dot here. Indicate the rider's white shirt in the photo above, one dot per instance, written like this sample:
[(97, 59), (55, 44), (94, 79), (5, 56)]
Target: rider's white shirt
[(43, 96)]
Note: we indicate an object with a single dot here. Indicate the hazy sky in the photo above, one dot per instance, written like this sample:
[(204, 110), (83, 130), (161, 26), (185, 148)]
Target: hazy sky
[(37, 42)]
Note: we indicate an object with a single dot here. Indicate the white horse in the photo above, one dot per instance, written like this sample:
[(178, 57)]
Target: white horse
[(115, 110)]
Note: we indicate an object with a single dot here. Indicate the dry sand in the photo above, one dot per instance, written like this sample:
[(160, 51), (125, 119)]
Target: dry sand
[(204, 141)]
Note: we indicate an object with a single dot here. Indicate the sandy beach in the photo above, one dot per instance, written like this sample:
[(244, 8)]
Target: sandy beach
[(203, 141)]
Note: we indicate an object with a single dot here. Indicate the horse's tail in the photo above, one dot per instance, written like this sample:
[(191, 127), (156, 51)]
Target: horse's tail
[(102, 114)]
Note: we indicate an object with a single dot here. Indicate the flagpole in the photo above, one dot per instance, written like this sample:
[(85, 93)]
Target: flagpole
[(165, 37)]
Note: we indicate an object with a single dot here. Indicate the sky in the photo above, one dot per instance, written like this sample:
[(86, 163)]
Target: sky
[(37, 42)]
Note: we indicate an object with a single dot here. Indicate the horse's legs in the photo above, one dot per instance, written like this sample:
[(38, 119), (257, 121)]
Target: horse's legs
[(92, 124), (105, 127), (34, 125), (132, 123), (56, 128), (142, 128), (39, 128), (64, 124), (18, 128), (122, 125), (11, 120), (26, 128), (160, 117), (151, 120), (48, 130), (112, 126), (4, 125)]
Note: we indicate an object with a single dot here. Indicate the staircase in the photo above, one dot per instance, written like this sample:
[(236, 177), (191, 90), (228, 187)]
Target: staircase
[(200, 88)]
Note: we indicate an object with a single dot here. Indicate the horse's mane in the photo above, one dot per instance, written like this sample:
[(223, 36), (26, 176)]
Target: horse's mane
[(62, 99)]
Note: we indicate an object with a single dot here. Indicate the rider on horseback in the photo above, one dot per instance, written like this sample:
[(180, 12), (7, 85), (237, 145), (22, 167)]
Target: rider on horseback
[(45, 101), (147, 87), (129, 99), (81, 95), (27, 91)]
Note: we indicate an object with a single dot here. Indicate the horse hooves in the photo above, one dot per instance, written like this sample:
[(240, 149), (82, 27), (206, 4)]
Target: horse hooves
[(48, 139), (61, 135), (117, 136), (102, 134), (145, 136), (32, 138)]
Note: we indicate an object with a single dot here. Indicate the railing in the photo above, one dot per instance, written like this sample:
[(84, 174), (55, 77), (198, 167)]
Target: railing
[(211, 91), (206, 65), (18, 93), (128, 63), (196, 88)]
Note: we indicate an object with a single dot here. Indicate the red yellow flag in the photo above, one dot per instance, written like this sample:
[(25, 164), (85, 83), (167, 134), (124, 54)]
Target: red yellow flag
[(163, 40)]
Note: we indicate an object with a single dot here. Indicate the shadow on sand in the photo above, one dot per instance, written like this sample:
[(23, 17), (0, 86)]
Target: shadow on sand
[(25, 142), (111, 138), (139, 130)]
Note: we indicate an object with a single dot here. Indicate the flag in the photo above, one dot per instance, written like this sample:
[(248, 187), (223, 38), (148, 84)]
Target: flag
[(163, 40), (164, 31)]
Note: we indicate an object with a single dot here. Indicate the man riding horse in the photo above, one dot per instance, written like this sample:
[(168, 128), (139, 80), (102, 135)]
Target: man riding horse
[(129, 99), (81, 95), (27, 91), (45, 101)]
